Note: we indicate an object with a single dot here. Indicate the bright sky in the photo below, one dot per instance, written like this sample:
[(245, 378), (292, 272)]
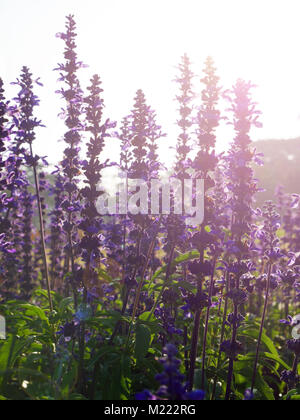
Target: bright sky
[(136, 44)]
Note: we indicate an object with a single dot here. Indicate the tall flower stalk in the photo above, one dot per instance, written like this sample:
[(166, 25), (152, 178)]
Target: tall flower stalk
[(135, 149), (208, 119), (139, 134), (183, 148), (271, 253), (27, 101), (204, 164), (242, 187), (56, 239), (91, 224), (153, 133), (184, 99), (71, 165), (27, 275), (4, 134), (7, 176)]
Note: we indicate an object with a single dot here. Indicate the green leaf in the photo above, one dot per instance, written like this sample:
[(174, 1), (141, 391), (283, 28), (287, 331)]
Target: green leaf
[(145, 317), (65, 304), (254, 333), (9, 353), (293, 394), (104, 275), (260, 384), (142, 341), (275, 359), (264, 388), (250, 357), (115, 378), (177, 261), (77, 397), (34, 311)]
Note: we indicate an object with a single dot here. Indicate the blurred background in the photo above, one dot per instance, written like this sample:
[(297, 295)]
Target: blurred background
[(136, 44)]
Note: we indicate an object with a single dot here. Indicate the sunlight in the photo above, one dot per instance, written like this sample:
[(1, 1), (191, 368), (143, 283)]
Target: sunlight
[(127, 275), (137, 44), (251, 42)]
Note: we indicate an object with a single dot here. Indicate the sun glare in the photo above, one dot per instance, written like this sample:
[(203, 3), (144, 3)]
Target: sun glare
[(149, 239), (247, 39)]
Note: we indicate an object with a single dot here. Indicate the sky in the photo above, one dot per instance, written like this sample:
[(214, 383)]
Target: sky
[(135, 44)]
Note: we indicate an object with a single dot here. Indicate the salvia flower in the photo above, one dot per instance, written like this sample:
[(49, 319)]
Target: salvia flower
[(71, 164), (184, 98), (171, 380), (90, 222), (208, 118)]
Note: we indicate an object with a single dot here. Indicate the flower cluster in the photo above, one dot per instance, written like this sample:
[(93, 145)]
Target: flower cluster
[(92, 300), (171, 381)]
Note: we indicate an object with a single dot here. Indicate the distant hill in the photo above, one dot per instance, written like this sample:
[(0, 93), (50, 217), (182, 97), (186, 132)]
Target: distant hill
[(282, 166)]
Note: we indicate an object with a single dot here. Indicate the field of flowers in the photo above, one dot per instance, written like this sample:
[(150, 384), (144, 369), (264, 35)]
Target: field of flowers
[(143, 307)]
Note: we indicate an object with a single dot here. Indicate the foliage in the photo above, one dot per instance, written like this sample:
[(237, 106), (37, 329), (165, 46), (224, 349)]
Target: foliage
[(142, 306)]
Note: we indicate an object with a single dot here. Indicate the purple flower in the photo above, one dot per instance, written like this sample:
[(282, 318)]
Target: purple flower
[(68, 331), (291, 378), (185, 122), (200, 269), (145, 396), (171, 380), (294, 346), (238, 296), (139, 129), (207, 121), (232, 349), (288, 321), (71, 165), (248, 396)]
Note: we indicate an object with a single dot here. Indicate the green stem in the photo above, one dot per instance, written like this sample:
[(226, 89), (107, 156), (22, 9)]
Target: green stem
[(141, 283), (42, 230), (262, 325), (168, 273), (206, 325)]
